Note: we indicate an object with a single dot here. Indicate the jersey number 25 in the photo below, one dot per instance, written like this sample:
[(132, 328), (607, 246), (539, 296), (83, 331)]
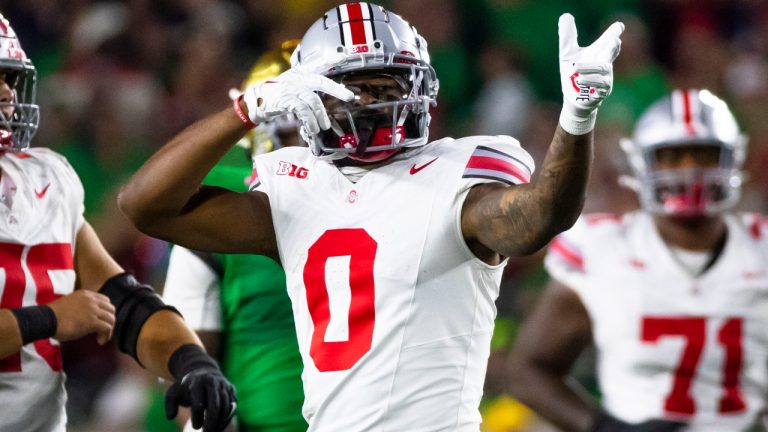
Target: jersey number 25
[(39, 259)]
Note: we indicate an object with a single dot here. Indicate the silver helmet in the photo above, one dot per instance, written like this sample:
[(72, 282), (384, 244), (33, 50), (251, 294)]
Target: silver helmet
[(19, 114), (365, 40), (686, 118)]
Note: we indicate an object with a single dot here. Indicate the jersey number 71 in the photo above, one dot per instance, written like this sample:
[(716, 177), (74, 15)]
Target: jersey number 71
[(694, 331)]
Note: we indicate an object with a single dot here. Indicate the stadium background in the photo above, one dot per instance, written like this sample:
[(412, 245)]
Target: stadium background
[(116, 79)]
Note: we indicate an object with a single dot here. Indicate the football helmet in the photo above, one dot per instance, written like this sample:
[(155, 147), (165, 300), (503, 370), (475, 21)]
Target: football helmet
[(384, 60), (267, 135), (20, 114), (686, 119)]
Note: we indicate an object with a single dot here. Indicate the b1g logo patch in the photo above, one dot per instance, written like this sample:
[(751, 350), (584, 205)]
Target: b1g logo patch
[(291, 170)]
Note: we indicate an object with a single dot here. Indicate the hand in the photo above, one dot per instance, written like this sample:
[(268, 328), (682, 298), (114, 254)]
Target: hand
[(81, 313), (586, 74), (605, 422), (294, 91), (209, 395)]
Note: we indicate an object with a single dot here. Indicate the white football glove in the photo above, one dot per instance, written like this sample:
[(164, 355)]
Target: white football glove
[(586, 74), (294, 91)]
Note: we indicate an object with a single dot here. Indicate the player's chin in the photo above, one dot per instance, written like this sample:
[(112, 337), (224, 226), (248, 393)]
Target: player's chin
[(692, 219)]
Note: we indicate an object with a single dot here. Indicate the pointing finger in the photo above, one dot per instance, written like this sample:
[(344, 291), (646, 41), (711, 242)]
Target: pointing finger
[(328, 86), (172, 401), (214, 412), (610, 40), (568, 36), (307, 117), (312, 100)]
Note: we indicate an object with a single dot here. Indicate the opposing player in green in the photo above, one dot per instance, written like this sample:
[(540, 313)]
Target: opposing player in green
[(238, 304)]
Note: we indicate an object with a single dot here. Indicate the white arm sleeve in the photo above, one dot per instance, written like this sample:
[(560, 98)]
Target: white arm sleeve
[(193, 288)]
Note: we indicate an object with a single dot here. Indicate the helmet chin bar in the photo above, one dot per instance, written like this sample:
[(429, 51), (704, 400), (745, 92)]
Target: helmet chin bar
[(25, 118), (690, 192), (371, 133), (18, 130)]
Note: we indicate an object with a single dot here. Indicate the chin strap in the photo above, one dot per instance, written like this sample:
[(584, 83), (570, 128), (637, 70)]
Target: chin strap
[(367, 126)]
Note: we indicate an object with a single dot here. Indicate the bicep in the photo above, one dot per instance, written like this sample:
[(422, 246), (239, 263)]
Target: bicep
[(93, 264), (219, 220), (556, 332)]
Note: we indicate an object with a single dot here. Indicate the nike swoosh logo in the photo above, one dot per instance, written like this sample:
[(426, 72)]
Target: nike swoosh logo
[(41, 194), (415, 169)]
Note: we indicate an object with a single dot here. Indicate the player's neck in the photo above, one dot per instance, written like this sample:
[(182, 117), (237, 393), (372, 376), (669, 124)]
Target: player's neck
[(693, 234)]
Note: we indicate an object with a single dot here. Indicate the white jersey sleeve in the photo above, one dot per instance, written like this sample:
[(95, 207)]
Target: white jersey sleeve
[(496, 159), (565, 260), (192, 287)]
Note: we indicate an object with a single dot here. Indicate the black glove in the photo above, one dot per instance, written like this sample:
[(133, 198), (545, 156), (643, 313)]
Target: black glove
[(201, 386), (605, 422)]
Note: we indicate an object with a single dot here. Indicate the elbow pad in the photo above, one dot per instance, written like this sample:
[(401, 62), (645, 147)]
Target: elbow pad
[(134, 304)]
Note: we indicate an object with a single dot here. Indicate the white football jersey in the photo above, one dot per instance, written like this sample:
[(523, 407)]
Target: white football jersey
[(41, 211), (394, 314), (672, 345)]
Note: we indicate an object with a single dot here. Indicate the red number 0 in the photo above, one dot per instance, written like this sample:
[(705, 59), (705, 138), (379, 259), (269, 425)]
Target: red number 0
[(40, 259), (693, 330), (361, 248)]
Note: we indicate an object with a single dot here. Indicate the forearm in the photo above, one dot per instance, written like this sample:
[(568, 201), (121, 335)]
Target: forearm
[(553, 398), (162, 334), (10, 336), (167, 182), (560, 186)]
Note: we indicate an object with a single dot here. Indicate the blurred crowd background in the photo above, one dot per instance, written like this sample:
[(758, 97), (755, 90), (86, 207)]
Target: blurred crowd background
[(118, 78)]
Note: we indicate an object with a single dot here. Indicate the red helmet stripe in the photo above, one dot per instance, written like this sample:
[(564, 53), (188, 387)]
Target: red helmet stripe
[(356, 23), (3, 27), (687, 117)]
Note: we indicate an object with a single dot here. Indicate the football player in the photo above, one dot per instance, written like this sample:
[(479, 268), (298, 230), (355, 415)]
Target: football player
[(393, 245), (674, 296), (237, 303), (60, 284)]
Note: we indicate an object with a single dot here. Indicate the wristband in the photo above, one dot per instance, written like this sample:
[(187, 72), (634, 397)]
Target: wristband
[(35, 322), (187, 358), (243, 116), (577, 125)]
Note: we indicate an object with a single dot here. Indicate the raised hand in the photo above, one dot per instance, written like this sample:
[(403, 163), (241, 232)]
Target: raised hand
[(586, 74), (81, 313), (294, 91)]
